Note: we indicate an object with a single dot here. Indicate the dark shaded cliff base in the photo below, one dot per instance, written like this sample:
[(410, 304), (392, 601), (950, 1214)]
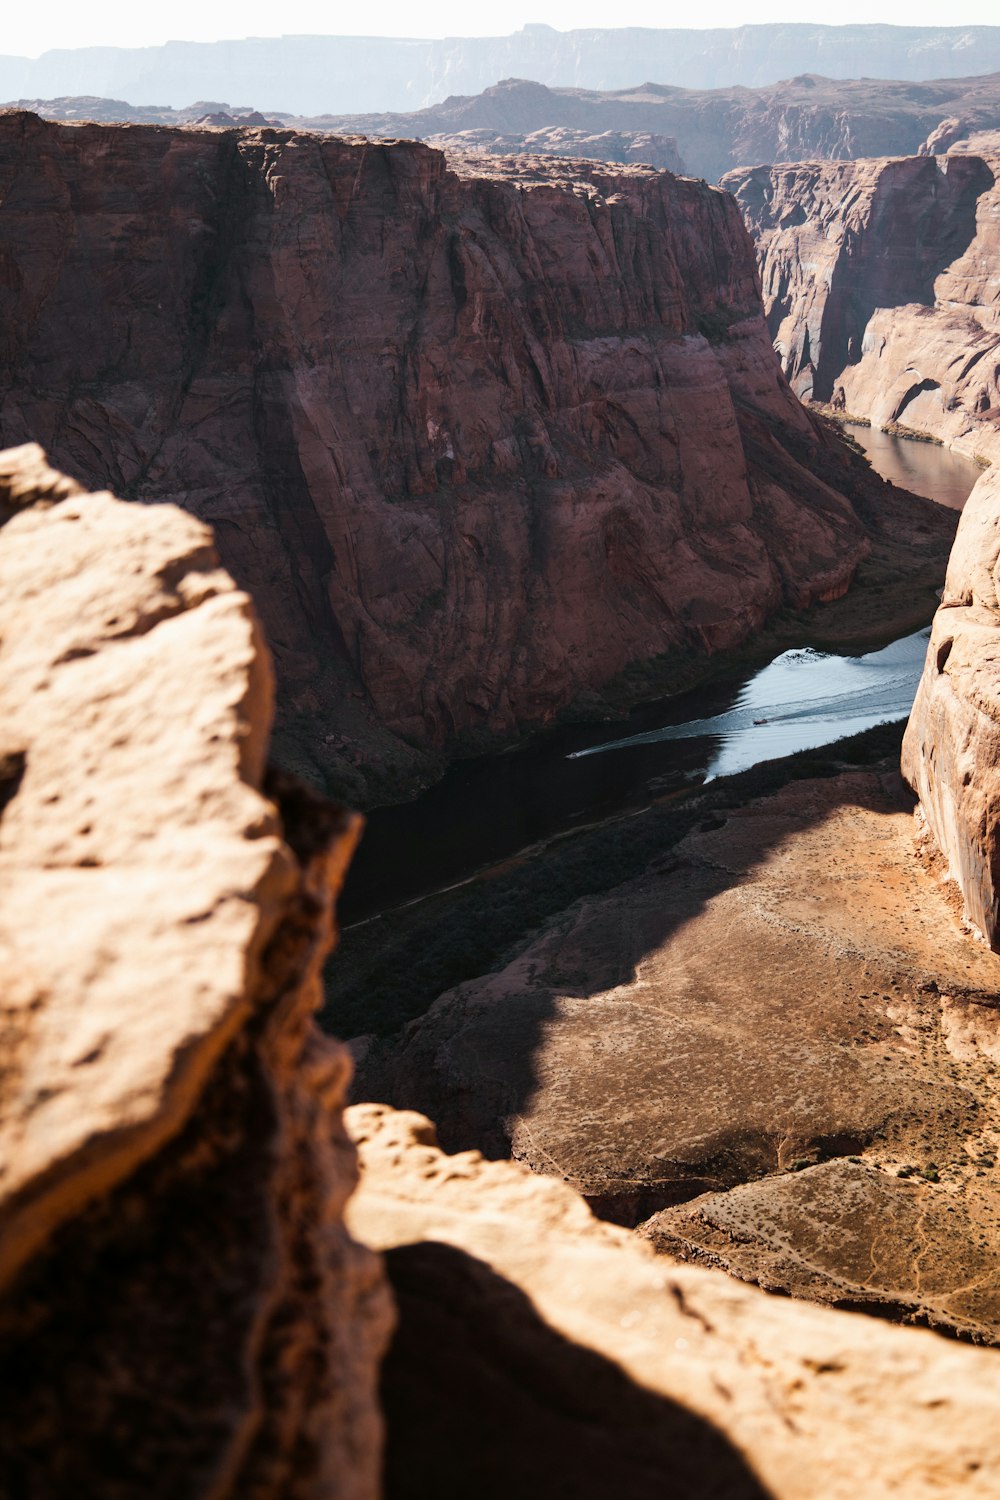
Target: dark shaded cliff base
[(785, 988)]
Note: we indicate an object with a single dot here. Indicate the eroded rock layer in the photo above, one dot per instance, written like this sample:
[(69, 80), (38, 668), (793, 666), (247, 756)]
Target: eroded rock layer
[(477, 438), (181, 1309), (881, 288)]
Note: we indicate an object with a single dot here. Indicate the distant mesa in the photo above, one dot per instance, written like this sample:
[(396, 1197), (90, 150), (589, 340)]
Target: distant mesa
[(702, 132)]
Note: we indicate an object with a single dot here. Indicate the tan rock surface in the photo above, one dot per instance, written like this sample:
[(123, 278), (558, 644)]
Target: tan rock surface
[(478, 434), (181, 1310), (514, 1302), (952, 746), (791, 988)]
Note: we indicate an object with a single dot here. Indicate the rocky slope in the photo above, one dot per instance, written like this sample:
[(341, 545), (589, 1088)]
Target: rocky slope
[(314, 74), (478, 438), (779, 1026), (182, 1310), (881, 291)]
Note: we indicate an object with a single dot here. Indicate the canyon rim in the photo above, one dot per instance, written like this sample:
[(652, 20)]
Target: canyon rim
[(365, 440)]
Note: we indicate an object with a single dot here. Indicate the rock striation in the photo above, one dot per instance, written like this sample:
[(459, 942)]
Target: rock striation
[(540, 1351), (478, 434), (880, 288), (952, 744), (182, 1309)]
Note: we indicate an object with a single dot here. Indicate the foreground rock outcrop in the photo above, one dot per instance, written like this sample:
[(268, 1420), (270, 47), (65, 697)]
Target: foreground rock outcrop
[(479, 436), (542, 1352), (181, 1309), (880, 288)]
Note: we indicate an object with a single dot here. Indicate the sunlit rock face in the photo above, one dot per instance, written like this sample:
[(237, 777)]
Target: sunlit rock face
[(182, 1310), (952, 747), (479, 433)]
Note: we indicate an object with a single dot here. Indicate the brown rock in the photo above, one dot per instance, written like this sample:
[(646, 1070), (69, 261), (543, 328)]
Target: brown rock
[(807, 117), (477, 438), (541, 1352), (182, 1311), (952, 744)]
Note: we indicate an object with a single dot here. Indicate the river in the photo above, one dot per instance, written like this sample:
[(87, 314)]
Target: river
[(923, 468), (487, 810)]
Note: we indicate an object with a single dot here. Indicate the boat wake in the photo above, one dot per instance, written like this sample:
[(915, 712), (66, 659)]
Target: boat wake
[(795, 703)]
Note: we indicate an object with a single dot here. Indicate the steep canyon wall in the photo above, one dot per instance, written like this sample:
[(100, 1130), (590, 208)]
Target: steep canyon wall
[(478, 434), (881, 285)]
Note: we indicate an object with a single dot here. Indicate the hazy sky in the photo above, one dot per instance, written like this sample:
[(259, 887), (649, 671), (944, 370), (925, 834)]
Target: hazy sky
[(30, 29)]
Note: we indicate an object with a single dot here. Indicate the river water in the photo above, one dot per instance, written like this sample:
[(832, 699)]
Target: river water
[(487, 810)]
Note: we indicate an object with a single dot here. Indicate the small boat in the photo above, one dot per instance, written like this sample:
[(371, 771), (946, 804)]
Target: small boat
[(760, 721)]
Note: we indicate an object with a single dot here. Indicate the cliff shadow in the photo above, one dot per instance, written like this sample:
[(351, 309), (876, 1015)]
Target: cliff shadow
[(482, 1398)]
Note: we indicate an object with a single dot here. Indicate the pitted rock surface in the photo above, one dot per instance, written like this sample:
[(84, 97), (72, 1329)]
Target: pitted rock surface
[(619, 1366), (181, 1309)]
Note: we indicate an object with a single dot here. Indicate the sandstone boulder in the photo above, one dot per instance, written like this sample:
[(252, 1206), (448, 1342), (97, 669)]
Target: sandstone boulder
[(182, 1310)]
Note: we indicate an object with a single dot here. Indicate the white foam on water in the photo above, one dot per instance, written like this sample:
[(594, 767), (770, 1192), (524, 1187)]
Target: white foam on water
[(801, 700)]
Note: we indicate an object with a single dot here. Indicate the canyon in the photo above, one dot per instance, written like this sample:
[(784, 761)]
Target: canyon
[(417, 452), (193, 1299), (483, 436)]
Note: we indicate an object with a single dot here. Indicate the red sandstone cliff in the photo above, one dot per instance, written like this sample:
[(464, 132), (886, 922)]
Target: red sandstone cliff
[(881, 290), (952, 746), (478, 438)]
